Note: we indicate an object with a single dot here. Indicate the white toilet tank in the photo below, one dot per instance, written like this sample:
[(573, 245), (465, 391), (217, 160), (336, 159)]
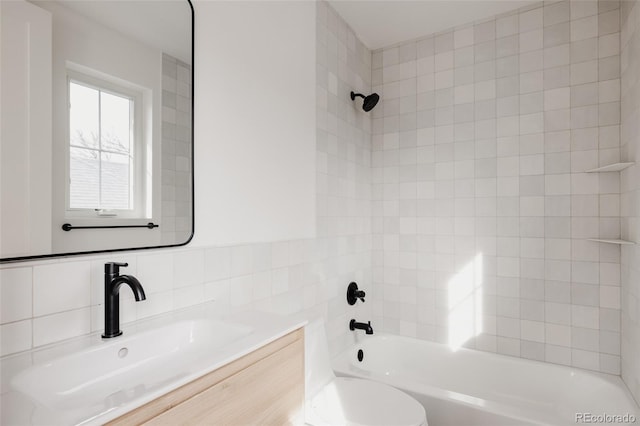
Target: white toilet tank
[(318, 371)]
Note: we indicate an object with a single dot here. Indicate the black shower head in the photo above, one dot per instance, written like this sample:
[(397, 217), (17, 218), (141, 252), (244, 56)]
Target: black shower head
[(369, 101)]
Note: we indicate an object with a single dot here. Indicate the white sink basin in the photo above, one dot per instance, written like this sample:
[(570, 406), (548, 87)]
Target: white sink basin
[(118, 370)]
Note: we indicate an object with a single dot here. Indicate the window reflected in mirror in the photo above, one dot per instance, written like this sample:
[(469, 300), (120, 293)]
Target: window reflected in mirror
[(106, 163), (97, 126)]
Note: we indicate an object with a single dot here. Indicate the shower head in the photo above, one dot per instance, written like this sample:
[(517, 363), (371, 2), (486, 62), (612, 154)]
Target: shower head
[(369, 101)]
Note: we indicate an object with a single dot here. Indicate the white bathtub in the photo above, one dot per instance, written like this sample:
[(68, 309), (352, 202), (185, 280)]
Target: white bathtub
[(468, 387)]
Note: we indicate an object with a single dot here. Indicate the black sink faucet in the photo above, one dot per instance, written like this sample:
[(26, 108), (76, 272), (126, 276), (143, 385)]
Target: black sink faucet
[(112, 283), (361, 326)]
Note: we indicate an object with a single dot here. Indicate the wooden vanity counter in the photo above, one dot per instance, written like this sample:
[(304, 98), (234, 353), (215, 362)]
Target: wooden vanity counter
[(264, 387)]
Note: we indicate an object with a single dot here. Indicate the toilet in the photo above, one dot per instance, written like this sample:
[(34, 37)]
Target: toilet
[(334, 401)]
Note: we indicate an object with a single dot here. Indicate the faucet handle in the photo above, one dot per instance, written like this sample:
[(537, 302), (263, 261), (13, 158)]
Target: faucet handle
[(114, 267), (353, 294)]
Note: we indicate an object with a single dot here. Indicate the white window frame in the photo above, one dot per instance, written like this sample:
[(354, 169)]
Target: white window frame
[(138, 165)]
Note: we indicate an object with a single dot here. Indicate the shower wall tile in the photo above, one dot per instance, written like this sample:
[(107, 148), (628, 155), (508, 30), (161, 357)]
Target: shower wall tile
[(176, 150), (481, 204), (629, 203)]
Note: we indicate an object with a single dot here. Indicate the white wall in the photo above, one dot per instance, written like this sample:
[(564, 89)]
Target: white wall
[(254, 121), (25, 228)]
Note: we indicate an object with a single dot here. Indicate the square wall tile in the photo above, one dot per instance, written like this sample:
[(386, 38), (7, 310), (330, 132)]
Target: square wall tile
[(61, 287), (16, 291), (61, 326), (15, 337), (155, 271)]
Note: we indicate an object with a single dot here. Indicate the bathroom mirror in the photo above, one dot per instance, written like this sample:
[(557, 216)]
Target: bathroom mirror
[(96, 126)]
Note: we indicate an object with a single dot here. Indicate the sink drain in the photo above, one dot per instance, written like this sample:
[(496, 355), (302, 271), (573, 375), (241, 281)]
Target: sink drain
[(123, 352)]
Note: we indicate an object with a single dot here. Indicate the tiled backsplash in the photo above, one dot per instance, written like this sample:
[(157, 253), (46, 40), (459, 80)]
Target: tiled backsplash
[(50, 301), (482, 207)]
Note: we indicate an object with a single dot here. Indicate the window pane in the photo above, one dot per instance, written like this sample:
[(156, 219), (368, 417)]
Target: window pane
[(83, 115), (115, 181), (84, 186), (116, 129)]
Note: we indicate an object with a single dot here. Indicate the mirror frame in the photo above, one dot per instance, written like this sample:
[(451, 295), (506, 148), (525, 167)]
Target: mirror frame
[(81, 253)]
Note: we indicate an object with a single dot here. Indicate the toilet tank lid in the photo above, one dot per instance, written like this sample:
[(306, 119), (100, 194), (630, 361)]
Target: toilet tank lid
[(359, 402)]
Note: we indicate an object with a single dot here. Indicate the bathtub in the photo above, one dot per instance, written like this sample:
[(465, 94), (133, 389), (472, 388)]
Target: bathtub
[(467, 387)]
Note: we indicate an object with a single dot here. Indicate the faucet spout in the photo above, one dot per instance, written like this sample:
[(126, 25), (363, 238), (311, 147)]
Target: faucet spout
[(366, 326), (131, 281)]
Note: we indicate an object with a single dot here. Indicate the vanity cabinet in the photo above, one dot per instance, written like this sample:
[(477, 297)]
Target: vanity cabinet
[(265, 387)]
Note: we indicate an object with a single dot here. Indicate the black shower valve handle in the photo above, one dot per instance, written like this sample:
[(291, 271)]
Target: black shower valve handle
[(353, 294)]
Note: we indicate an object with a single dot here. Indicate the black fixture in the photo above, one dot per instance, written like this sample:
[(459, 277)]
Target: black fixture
[(68, 227), (369, 101), (361, 326), (112, 283), (353, 294)]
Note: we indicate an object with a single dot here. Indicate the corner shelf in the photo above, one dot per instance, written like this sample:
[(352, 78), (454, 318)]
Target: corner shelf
[(611, 241), (615, 167)]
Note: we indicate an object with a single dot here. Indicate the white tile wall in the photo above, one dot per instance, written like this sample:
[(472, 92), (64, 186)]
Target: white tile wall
[(481, 207), (629, 199), (176, 150), (61, 287), (15, 336), (16, 289), (60, 326), (44, 302), (67, 296)]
